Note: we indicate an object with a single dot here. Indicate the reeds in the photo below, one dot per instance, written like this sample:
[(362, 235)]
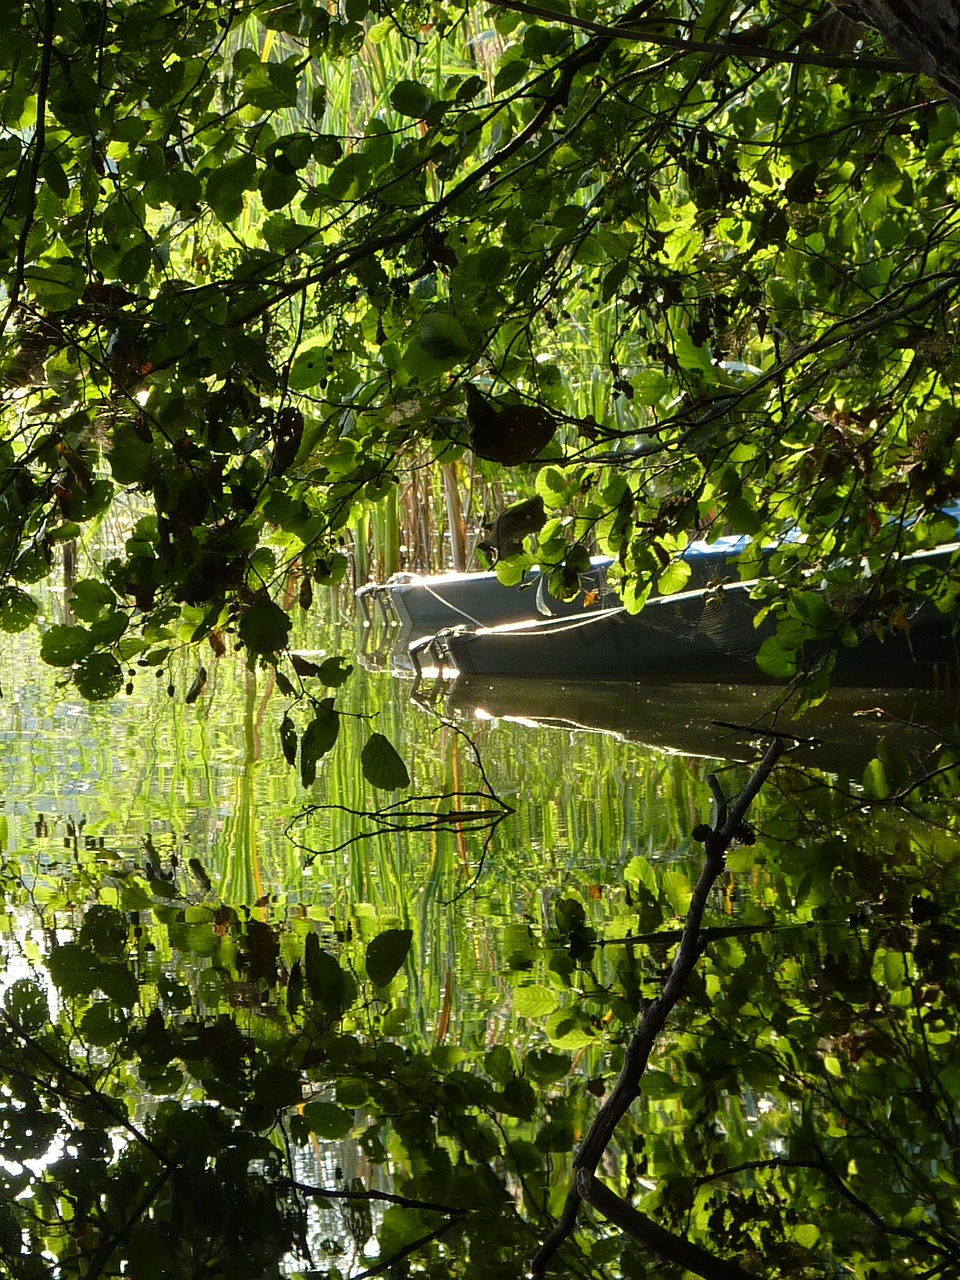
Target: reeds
[(431, 512)]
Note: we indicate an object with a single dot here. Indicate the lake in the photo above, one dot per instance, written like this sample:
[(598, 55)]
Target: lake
[(547, 835)]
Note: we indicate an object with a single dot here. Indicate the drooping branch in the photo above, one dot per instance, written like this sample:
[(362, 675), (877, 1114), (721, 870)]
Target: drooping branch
[(627, 1089)]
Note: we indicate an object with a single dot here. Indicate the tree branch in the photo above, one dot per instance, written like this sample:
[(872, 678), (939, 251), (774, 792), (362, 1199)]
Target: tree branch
[(638, 1226), (37, 143), (724, 48), (692, 942)]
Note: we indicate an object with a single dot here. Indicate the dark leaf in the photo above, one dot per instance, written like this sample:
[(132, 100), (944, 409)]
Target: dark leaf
[(386, 954), (382, 765)]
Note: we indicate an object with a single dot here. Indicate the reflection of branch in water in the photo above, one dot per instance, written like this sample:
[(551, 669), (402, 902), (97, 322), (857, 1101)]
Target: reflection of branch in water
[(717, 839), (385, 1197), (401, 816)]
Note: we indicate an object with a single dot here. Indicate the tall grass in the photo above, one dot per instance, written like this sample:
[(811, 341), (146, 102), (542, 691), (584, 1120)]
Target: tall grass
[(433, 516)]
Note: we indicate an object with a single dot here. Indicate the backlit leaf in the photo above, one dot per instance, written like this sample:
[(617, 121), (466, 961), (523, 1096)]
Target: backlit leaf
[(264, 626)]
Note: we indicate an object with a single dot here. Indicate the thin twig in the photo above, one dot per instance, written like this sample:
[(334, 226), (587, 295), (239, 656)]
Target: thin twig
[(723, 48), (405, 1202)]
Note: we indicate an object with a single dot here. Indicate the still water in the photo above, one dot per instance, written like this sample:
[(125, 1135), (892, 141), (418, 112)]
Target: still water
[(545, 824), (561, 783)]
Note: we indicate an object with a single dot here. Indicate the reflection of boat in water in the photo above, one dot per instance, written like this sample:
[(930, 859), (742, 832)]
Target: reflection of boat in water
[(707, 632), (720, 720)]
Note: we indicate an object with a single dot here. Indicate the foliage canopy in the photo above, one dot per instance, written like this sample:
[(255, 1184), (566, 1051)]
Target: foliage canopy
[(251, 257)]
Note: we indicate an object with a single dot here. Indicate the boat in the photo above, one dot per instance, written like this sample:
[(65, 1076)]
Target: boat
[(427, 604), (424, 604), (711, 632)]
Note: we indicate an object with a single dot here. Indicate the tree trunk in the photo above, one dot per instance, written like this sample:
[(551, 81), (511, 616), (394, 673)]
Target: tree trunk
[(925, 33)]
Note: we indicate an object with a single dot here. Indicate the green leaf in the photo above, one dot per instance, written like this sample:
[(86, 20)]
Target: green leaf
[(674, 578), (26, 1003), (776, 661), (325, 980), (288, 740), (310, 366), (351, 177), (650, 386), (568, 1030), (17, 609), (556, 487), (226, 185), (875, 784), (386, 954), (107, 630), (276, 1087), (742, 518), (55, 176), (135, 264), (546, 1067), (411, 98), (443, 338), (813, 609), (382, 766), (676, 889), (801, 186), (278, 190), (74, 970), (91, 599), (335, 671), (285, 234), (57, 281), (264, 626), (103, 1024), (534, 1000), (327, 1120), (318, 738), (639, 871), (271, 85), (62, 646), (129, 455), (99, 677)]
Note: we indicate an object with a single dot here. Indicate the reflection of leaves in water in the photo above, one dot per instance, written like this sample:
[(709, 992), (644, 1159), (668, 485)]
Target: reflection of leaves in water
[(481, 810)]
